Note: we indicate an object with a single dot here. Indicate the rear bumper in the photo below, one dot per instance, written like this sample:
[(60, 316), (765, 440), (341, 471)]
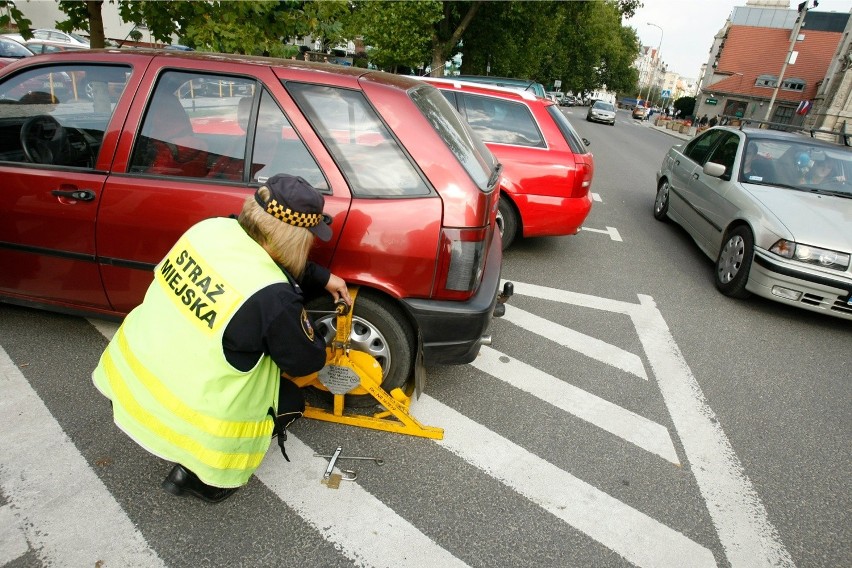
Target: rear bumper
[(548, 216), (452, 331)]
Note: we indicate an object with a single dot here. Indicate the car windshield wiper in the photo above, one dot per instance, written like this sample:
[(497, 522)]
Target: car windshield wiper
[(835, 193)]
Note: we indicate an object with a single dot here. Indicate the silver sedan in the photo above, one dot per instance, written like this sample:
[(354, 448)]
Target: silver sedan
[(773, 209)]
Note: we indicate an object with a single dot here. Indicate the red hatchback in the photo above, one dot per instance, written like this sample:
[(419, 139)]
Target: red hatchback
[(547, 170), (108, 156)]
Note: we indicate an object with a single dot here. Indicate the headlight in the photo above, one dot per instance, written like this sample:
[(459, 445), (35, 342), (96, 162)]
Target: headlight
[(811, 255)]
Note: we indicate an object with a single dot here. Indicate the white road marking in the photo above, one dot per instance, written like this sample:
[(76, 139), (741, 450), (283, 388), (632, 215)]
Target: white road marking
[(339, 515), (573, 298), (13, 542), (611, 231), (53, 492), (596, 197), (616, 420), (621, 528), (749, 539), (576, 341)]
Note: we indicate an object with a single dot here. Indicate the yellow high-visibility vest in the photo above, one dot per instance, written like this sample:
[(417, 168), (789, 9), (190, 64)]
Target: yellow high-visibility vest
[(172, 389)]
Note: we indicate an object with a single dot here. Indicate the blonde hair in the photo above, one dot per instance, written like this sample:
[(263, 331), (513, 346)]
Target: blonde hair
[(287, 244)]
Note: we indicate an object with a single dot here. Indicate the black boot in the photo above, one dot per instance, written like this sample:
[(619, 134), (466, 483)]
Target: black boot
[(181, 481)]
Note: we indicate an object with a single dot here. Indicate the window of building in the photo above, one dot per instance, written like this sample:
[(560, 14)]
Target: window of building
[(793, 84), (766, 81)]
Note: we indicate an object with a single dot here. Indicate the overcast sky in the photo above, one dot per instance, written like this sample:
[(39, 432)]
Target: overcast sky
[(688, 27)]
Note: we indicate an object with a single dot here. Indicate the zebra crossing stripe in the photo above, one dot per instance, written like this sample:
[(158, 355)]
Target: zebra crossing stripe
[(621, 528), (616, 420), (52, 491), (339, 514), (580, 342)]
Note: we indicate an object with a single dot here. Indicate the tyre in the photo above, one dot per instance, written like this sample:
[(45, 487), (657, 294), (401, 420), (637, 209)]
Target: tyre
[(661, 203), (734, 263), (507, 221), (379, 328)]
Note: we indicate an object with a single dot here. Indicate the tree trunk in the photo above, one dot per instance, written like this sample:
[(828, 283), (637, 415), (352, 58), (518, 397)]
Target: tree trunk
[(96, 24)]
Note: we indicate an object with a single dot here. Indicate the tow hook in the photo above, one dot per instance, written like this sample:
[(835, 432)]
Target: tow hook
[(502, 298)]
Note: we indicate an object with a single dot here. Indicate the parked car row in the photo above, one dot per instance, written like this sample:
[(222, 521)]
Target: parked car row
[(97, 190), (547, 167)]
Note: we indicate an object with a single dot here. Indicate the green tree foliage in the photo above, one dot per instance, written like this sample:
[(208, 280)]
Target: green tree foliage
[(412, 33), (686, 106), (10, 15), (398, 33), (584, 44)]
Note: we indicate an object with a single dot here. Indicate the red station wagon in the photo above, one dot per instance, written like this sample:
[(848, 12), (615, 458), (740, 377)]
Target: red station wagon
[(547, 170), (108, 156)]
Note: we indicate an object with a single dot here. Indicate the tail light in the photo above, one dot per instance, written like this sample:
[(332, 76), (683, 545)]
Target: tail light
[(461, 262), (582, 179)]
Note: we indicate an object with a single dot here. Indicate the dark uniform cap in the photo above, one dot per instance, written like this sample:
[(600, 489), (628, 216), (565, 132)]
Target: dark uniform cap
[(295, 201)]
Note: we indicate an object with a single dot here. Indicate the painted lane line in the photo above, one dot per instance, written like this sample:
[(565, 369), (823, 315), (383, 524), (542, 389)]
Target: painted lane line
[(573, 298), (621, 528), (749, 539), (53, 492), (340, 515), (596, 197), (576, 341), (611, 231), (610, 417)]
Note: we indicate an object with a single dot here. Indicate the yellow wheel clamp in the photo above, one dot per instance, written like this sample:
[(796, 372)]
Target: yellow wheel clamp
[(355, 372)]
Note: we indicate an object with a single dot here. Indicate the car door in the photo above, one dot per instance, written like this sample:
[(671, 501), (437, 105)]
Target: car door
[(708, 195), (189, 154), (53, 161), (686, 167)]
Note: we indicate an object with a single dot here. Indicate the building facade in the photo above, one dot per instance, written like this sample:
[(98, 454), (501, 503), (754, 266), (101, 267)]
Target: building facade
[(767, 60)]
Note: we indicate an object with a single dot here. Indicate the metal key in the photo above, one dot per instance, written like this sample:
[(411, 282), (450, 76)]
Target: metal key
[(337, 456)]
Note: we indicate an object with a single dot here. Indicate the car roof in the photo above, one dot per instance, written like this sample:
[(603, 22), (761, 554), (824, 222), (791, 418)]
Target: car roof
[(795, 135), (485, 88)]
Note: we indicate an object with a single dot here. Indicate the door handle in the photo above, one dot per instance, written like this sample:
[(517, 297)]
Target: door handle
[(78, 194)]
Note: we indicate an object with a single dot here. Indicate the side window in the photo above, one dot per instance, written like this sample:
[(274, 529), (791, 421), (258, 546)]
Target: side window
[(371, 159), (57, 115), (726, 152), (195, 126), (698, 149), (501, 121), (450, 96), (278, 149)]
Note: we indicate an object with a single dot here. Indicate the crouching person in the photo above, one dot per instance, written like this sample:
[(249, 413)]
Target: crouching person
[(194, 372)]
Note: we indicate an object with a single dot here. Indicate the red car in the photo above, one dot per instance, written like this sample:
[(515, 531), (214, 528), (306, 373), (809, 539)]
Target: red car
[(101, 176), (547, 170), (11, 51)]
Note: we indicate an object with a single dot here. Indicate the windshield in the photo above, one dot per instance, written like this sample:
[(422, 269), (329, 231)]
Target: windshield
[(600, 105), (800, 165), (11, 48)]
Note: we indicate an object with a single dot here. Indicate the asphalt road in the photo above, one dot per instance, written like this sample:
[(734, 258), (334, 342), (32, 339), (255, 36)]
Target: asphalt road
[(626, 414)]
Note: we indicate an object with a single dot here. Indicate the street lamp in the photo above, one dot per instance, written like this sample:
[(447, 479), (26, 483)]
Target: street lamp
[(654, 71)]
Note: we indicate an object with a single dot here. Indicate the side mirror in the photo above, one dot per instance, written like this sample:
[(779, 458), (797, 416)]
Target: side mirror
[(714, 169), (587, 142)]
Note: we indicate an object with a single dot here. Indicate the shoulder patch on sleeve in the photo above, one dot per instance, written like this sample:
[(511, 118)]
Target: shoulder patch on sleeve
[(306, 325)]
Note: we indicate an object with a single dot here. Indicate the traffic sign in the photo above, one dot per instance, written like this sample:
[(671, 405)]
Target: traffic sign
[(666, 94)]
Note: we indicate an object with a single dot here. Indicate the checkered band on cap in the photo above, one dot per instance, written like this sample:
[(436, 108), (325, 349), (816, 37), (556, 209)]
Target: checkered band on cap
[(291, 217)]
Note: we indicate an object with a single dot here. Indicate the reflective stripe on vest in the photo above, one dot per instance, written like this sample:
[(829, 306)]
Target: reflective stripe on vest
[(172, 388)]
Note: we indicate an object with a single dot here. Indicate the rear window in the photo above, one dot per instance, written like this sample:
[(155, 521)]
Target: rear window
[(501, 121), (368, 155), (571, 137), (473, 155)]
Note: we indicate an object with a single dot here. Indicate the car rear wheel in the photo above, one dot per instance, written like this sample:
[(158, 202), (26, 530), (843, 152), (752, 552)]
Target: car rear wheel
[(734, 263), (379, 328), (507, 221), (661, 203)]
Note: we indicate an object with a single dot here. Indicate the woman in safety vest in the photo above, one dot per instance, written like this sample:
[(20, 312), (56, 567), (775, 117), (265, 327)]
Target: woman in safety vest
[(194, 372)]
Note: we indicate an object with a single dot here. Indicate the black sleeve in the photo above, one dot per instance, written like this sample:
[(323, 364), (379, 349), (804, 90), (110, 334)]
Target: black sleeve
[(273, 322), (315, 277)]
